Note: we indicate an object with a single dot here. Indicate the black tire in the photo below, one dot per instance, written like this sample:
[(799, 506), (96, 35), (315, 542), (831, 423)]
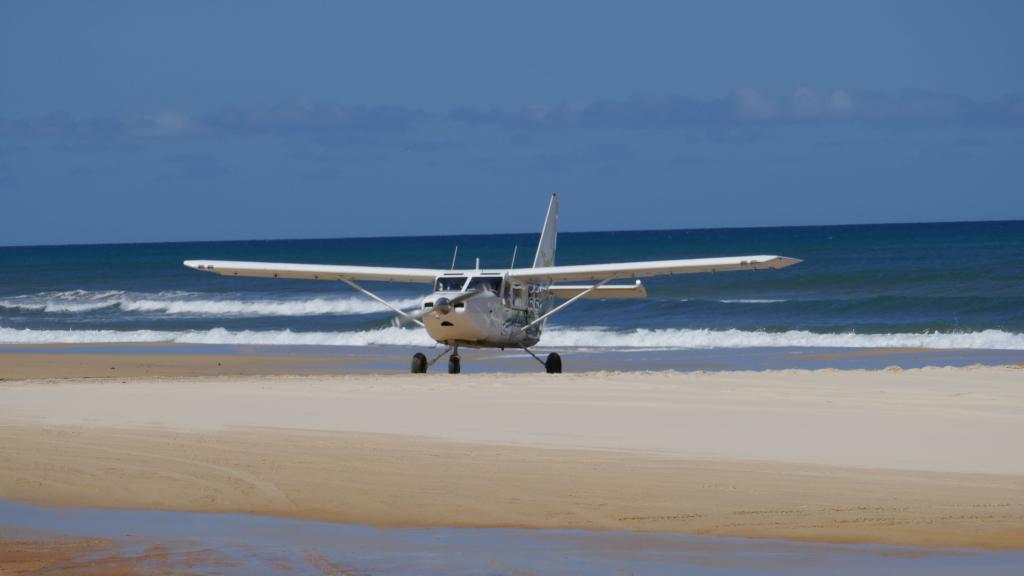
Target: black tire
[(553, 364), (454, 365), (419, 363)]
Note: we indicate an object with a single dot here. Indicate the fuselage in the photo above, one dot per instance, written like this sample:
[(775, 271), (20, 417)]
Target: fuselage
[(490, 310)]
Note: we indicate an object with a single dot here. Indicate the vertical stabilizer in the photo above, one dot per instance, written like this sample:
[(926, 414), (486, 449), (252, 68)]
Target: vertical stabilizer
[(548, 236)]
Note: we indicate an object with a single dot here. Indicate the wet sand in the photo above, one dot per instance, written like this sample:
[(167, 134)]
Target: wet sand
[(925, 457), (94, 542), (40, 553), (112, 360), (52, 362)]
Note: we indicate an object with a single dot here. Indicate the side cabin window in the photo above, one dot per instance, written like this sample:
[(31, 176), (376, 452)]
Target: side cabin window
[(519, 296), (491, 283), (449, 284)]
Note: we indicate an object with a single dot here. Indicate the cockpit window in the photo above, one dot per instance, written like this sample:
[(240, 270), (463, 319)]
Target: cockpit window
[(449, 284), (492, 283)]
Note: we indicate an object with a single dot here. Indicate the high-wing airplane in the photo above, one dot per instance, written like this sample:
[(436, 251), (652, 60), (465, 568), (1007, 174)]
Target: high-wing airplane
[(497, 308)]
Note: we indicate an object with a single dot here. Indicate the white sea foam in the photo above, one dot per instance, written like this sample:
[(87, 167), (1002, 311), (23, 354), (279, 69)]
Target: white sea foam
[(703, 338), (193, 304), (383, 336), (70, 301), (311, 307), (553, 337)]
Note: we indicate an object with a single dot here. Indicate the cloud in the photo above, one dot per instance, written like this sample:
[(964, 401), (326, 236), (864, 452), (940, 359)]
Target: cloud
[(637, 112), (97, 132), (103, 128), (751, 108), (313, 120), (401, 128)]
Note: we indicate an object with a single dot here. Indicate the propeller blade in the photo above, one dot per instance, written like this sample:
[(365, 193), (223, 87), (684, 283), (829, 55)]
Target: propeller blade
[(417, 314)]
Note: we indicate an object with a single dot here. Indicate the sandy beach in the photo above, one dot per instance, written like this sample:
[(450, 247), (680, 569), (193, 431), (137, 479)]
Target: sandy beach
[(919, 457)]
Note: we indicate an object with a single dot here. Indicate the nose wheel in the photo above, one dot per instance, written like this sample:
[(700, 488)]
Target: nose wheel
[(420, 362)]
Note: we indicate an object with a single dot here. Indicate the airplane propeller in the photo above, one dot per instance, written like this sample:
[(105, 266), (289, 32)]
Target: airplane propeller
[(442, 306)]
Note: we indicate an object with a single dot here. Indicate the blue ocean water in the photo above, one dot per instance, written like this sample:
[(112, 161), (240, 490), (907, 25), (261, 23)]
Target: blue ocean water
[(944, 285)]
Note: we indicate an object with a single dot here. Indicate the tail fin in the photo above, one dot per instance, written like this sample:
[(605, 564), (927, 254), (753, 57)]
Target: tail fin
[(548, 236)]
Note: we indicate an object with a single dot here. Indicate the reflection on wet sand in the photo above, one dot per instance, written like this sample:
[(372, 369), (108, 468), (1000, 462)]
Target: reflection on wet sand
[(79, 542)]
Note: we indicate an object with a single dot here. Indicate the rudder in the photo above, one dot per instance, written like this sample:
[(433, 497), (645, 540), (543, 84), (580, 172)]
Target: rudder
[(548, 236)]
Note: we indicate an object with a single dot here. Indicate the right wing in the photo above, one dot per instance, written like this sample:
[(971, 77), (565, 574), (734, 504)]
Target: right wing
[(314, 271), (647, 269)]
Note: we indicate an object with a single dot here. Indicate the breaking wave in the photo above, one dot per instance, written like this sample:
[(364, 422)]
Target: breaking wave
[(732, 338), (553, 337), (194, 304), (384, 336)]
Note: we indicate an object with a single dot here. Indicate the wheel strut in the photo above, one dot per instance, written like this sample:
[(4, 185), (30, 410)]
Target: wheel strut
[(535, 357), (420, 362), (455, 362), (553, 364), (441, 355)]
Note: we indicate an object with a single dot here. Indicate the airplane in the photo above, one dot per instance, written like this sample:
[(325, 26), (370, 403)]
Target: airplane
[(497, 308)]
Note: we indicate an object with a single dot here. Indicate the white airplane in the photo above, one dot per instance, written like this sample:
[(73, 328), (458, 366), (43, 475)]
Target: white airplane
[(496, 308)]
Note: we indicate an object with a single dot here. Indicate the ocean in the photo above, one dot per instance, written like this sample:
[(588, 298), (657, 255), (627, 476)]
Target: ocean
[(942, 285)]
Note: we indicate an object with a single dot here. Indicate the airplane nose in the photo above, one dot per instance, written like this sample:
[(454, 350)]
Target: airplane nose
[(442, 306)]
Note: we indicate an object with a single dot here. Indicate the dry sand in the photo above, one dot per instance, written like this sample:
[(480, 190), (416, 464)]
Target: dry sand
[(919, 457)]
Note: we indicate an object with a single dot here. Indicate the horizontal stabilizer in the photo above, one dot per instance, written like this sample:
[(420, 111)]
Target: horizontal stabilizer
[(636, 290)]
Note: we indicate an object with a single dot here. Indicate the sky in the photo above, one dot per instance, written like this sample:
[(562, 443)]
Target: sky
[(142, 121)]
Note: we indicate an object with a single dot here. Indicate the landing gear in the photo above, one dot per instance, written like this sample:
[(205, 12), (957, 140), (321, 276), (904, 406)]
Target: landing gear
[(553, 364), (419, 363)]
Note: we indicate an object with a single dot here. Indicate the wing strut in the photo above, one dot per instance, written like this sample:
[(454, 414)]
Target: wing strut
[(561, 306), (381, 300)]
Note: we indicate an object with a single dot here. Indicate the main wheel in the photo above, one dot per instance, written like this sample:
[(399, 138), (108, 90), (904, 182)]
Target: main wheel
[(419, 363), (454, 364), (553, 364)]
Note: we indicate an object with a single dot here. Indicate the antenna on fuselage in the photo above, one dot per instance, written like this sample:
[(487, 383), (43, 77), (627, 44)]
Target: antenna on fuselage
[(477, 264), (514, 250), (454, 256)]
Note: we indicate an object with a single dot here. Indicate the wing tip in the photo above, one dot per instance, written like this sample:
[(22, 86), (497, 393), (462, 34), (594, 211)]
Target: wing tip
[(197, 264)]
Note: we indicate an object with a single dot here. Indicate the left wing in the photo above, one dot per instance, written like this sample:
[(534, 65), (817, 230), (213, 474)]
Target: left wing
[(314, 271), (646, 269)]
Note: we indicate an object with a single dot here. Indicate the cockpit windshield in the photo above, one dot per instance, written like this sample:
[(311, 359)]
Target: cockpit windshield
[(449, 284), (492, 283)]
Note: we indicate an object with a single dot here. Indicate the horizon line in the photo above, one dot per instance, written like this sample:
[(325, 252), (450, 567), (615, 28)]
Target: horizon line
[(480, 234)]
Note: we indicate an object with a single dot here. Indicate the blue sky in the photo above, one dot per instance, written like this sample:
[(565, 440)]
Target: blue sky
[(142, 121)]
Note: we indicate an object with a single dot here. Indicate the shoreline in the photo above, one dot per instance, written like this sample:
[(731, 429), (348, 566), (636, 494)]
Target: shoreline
[(865, 456), (149, 359), (93, 541)]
